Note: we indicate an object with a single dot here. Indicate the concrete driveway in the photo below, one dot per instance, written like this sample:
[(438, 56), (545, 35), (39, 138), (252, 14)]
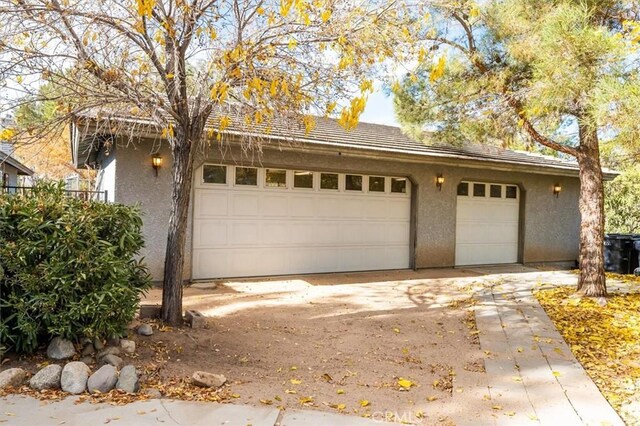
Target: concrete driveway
[(343, 342)]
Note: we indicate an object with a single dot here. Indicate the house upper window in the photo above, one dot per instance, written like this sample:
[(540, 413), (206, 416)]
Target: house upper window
[(376, 183), (329, 181), (303, 180), (495, 191), (247, 176), (512, 191), (353, 183), (399, 185), (214, 174), (275, 178), (463, 189)]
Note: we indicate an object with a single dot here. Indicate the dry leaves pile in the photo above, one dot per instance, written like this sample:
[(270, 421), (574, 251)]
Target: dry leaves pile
[(606, 340)]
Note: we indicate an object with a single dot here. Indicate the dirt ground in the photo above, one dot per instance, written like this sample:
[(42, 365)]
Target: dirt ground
[(398, 345)]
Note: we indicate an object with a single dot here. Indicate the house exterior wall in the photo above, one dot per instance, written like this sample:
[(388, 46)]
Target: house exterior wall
[(106, 180), (549, 230), (12, 173)]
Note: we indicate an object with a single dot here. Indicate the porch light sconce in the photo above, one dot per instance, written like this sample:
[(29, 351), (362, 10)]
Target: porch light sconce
[(156, 162), (556, 189), (439, 181)]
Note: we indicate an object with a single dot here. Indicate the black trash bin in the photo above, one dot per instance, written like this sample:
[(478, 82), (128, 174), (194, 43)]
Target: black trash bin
[(635, 256), (618, 249)]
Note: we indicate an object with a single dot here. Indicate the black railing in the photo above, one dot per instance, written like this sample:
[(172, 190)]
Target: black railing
[(83, 195)]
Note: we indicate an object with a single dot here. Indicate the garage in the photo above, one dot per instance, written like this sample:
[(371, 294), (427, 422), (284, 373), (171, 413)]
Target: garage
[(487, 223), (250, 221)]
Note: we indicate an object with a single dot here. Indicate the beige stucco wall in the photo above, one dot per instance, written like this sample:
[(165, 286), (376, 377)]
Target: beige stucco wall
[(550, 225)]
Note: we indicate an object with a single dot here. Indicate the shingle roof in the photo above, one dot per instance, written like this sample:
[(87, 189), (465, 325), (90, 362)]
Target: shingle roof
[(22, 169), (382, 139)]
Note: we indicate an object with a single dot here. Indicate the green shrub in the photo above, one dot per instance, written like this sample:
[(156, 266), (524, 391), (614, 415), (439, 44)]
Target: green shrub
[(68, 267)]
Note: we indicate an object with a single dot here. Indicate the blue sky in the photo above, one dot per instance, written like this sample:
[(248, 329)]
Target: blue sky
[(379, 110)]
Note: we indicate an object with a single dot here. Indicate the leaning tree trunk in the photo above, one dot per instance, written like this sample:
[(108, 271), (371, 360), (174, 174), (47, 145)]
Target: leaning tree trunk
[(592, 280), (182, 177)]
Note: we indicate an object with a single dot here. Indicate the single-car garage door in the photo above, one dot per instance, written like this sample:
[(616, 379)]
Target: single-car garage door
[(487, 223), (260, 221)]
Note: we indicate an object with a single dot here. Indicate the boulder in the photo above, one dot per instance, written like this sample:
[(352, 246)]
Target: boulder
[(47, 378), (98, 344), (88, 360), (13, 377), (60, 348), (88, 350), (103, 380), (113, 341), (208, 380), (153, 393), (113, 360), (145, 330), (128, 379), (74, 377), (128, 346), (111, 350)]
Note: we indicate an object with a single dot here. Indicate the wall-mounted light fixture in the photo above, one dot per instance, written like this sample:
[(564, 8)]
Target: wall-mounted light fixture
[(156, 162), (556, 189), (439, 181)]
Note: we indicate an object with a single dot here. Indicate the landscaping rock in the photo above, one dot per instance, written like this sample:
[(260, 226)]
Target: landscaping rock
[(86, 341), (113, 341), (47, 378), (88, 350), (88, 360), (145, 330), (128, 346), (128, 379), (113, 360), (208, 380), (12, 377), (98, 344), (111, 350), (153, 393), (103, 380), (60, 348), (74, 377)]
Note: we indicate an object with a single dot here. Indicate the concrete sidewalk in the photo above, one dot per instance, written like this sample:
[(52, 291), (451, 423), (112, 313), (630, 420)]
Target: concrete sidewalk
[(22, 410), (534, 377)]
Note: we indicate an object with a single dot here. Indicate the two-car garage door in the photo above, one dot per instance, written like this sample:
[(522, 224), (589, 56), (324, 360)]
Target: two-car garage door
[(259, 221)]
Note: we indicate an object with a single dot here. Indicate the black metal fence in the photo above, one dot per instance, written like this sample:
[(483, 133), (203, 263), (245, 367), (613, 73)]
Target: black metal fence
[(83, 195)]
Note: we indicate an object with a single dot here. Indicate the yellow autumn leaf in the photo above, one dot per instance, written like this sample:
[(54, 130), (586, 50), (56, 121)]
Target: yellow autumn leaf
[(293, 368), (306, 400), (295, 381), (556, 374), (437, 71), (145, 7), (432, 398), (405, 384), (290, 391), (364, 403), (7, 134), (340, 391), (326, 15)]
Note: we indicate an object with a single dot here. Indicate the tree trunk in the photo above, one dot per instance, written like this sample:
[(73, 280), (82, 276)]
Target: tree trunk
[(592, 281), (182, 174)]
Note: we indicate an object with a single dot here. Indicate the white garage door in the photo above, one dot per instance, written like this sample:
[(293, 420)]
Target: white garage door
[(487, 223), (255, 221)]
